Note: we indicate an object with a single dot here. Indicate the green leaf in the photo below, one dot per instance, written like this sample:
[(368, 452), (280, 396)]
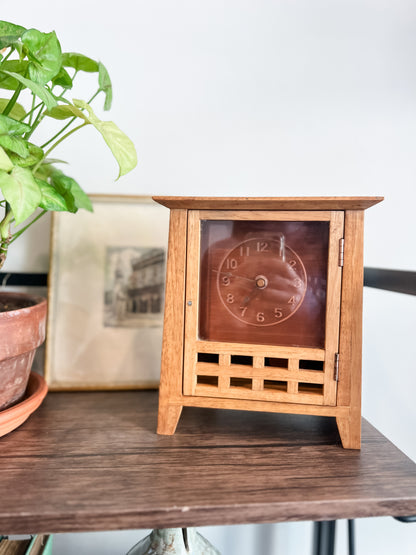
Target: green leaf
[(49, 161), (5, 163), (79, 62), (37, 89), (35, 155), (82, 200), (51, 199), (104, 82), (15, 144), (21, 191), (120, 145), (63, 185), (44, 53), (9, 34), (65, 111), (17, 112), (62, 79), (44, 171), (14, 66), (70, 190), (10, 131), (12, 126)]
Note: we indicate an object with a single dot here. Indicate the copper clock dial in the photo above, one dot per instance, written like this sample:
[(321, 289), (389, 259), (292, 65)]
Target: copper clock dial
[(261, 281)]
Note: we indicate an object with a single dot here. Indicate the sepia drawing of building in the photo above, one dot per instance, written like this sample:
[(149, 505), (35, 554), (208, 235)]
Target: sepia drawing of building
[(134, 290), (146, 283)]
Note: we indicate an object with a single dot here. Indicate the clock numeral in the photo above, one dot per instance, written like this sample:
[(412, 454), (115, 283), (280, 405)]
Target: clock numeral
[(231, 264), (226, 280), (243, 310), (260, 316), (278, 313), (263, 246), (230, 298), (292, 300), (298, 283), (292, 263), (244, 250)]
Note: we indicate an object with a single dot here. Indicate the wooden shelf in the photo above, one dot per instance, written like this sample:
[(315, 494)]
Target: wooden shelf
[(92, 461)]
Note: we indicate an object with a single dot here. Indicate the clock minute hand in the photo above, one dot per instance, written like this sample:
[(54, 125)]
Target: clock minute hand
[(261, 282), (250, 296)]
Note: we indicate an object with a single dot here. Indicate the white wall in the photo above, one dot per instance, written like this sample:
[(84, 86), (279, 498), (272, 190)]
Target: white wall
[(256, 97)]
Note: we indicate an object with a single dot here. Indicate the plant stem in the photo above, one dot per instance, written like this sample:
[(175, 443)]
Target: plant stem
[(35, 168), (94, 95), (65, 127), (33, 108), (12, 101), (63, 138), (5, 237), (18, 233), (7, 56), (30, 113), (5, 223), (37, 121)]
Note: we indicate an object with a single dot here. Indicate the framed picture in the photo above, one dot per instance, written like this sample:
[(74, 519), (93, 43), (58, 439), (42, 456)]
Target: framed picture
[(106, 295)]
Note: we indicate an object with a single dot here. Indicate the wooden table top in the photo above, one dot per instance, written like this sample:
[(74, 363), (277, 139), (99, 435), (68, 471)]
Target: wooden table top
[(92, 461)]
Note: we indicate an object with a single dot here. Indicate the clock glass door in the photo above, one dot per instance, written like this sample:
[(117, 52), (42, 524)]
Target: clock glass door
[(263, 295), (263, 282)]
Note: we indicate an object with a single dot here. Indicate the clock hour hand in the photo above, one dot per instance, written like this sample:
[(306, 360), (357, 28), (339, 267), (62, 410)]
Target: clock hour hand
[(230, 274)]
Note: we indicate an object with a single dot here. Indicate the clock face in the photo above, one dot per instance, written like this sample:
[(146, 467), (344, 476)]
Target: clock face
[(263, 282)]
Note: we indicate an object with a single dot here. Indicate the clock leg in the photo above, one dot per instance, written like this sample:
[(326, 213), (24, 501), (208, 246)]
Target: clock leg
[(350, 431), (168, 418)]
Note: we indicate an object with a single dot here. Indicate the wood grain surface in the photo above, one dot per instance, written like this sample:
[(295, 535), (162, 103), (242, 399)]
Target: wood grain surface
[(93, 461), (268, 203), (170, 388)]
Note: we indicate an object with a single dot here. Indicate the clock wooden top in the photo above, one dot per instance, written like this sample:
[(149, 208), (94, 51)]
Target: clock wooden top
[(268, 203)]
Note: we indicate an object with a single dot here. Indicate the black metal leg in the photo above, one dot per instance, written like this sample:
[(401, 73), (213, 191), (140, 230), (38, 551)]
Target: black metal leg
[(407, 519), (351, 537), (324, 537)]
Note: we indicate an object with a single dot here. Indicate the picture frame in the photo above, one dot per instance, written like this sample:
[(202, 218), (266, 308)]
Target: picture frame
[(106, 295)]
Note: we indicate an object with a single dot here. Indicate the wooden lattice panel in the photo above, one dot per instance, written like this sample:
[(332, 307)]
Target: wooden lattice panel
[(295, 376)]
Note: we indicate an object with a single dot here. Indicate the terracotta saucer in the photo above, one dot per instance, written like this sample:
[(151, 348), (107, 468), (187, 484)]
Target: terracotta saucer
[(14, 416)]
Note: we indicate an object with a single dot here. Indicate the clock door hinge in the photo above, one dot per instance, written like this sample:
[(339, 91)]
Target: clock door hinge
[(336, 367), (341, 253)]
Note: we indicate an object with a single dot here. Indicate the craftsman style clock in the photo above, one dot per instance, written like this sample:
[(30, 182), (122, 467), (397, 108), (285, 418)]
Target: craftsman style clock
[(263, 307)]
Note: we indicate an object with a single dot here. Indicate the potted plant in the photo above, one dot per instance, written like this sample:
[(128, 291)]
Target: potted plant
[(37, 78)]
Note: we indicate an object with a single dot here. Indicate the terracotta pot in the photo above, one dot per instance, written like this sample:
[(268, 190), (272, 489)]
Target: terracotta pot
[(14, 416), (22, 330)]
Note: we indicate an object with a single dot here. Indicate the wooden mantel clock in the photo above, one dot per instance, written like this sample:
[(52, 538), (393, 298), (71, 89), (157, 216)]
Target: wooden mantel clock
[(263, 307)]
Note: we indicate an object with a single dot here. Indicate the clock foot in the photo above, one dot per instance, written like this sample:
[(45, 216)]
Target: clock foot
[(168, 419), (350, 431)]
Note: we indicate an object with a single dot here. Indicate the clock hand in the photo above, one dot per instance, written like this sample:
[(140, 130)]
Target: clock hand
[(249, 297), (261, 282), (230, 274)]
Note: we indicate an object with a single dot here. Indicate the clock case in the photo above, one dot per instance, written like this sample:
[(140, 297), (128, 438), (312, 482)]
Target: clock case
[(321, 380)]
